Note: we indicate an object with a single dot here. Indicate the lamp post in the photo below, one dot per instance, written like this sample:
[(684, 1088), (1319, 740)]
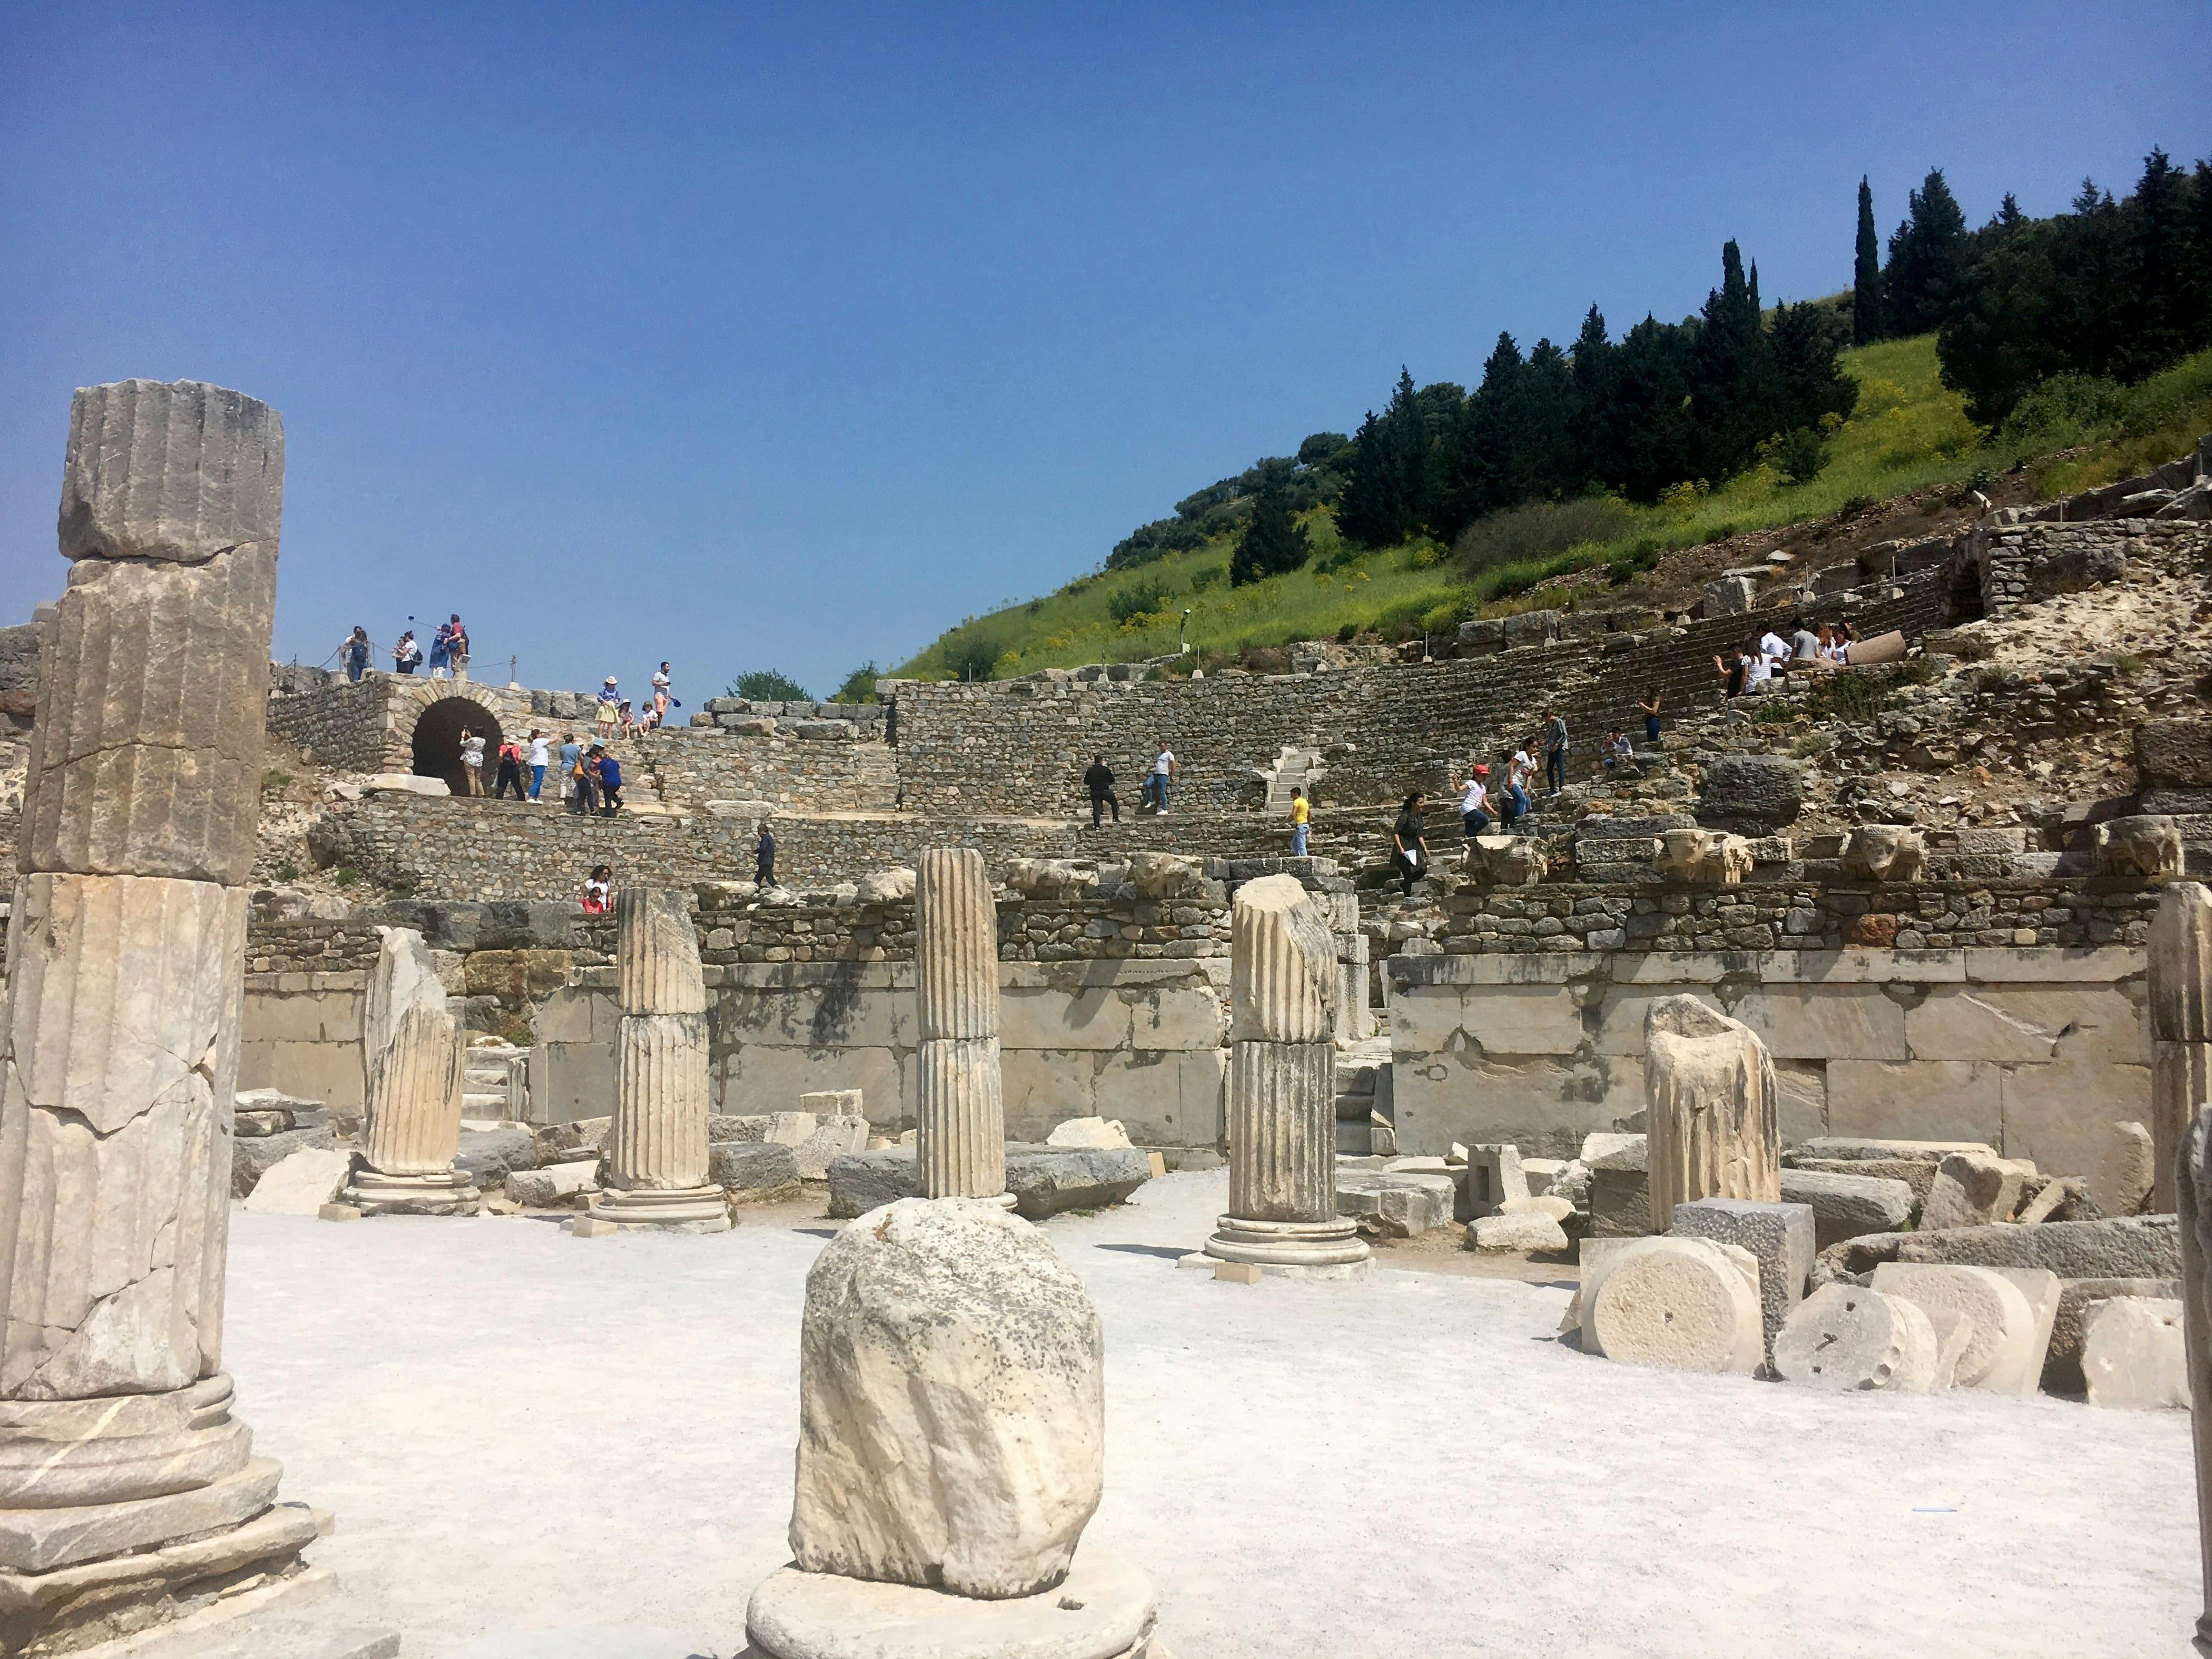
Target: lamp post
[(1180, 649)]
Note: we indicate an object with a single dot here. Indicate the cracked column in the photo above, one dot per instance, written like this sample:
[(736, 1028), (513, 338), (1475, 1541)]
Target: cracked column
[(656, 1172), (960, 1119), (1282, 1089), (128, 1493), (2180, 1026), (1712, 1110), (417, 1057)]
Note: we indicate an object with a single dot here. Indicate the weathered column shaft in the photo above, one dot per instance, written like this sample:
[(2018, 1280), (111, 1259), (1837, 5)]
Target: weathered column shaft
[(2180, 1025), (960, 1115), (1711, 1112), (960, 1134), (661, 1102), (2192, 1175), (1282, 1131), (657, 953), (119, 1058), (414, 1111)]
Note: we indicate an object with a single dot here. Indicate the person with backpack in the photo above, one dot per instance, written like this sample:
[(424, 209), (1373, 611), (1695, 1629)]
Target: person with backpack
[(406, 656), (510, 770), (583, 775), (1099, 781), (353, 651), (610, 771)]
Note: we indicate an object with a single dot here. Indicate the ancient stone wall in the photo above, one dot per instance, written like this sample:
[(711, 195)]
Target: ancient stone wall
[(1021, 746), (2019, 562), (2035, 1050), (697, 765)]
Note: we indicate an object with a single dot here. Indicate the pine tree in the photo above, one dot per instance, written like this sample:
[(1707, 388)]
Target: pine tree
[(1387, 497), (2154, 321), (1733, 392), (1273, 542), (1595, 421), (1865, 275), (1925, 253)]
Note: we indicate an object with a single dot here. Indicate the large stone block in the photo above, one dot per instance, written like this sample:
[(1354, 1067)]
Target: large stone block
[(1283, 980), (2133, 1354), (1956, 1100), (2129, 1247), (951, 1404), (1751, 794), (657, 953), (2026, 1026), (2058, 1116), (1710, 1097), (146, 755), (1780, 1239), (1847, 1206), (177, 472), (1826, 1022), (120, 1056)]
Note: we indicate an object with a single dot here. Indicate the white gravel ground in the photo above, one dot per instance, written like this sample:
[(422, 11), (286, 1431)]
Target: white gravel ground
[(518, 1430)]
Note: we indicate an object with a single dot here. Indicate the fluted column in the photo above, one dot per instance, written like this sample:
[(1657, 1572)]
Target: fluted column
[(2180, 1025), (960, 1134), (2192, 1175), (656, 1162), (1282, 987), (416, 1052), (118, 1049), (1710, 1109)]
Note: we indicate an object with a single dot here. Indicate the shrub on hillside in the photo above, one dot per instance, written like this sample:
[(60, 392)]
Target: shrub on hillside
[(972, 652), (2065, 410), (767, 685), (1799, 455), (1139, 598), (1539, 530)]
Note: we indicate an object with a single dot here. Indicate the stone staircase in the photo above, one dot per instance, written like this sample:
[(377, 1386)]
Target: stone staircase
[(495, 1086), (1294, 768), (1363, 1098)]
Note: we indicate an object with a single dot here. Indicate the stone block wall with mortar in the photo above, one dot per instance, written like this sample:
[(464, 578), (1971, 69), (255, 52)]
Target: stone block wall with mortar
[(694, 765), (2019, 562), (2036, 1051)]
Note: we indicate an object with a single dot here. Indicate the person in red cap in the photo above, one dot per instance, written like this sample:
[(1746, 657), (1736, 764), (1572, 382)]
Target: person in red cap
[(1474, 802)]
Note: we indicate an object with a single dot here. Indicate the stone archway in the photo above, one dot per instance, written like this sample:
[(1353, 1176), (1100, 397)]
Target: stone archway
[(437, 741)]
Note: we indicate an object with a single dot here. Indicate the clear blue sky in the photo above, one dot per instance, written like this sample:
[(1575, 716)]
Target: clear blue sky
[(750, 336)]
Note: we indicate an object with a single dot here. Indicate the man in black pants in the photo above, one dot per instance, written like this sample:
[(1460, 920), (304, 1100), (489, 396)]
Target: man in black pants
[(1100, 782), (764, 858)]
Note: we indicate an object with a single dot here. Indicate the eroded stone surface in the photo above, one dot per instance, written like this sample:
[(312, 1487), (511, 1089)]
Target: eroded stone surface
[(1847, 1337), (951, 1404), (2003, 1354), (2133, 1354), (177, 472), (120, 1050), (662, 1095), (1972, 1189), (2180, 1012), (414, 1125), (657, 953), (1712, 1121), (1282, 973), (1686, 1304)]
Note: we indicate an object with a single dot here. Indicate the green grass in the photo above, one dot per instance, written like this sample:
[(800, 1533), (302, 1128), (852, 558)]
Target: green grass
[(1909, 432)]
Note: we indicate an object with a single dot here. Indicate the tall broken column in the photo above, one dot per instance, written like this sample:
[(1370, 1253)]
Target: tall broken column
[(1712, 1115), (1282, 1089), (656, 1150), (2180, 1026), (416, 1054), (2191, 1174), (960, 1119), (128, 1493)]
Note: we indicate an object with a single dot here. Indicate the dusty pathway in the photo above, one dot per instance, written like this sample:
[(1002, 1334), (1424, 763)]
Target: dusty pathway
[(520, 1430)]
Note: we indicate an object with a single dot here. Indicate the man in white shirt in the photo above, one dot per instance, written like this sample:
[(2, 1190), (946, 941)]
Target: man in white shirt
[(1163, 772), (541, 756), (1775, 649)]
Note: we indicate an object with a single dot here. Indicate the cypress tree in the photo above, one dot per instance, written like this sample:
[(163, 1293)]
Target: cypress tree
[(1925, 253), (2154, 327), (1273, 542), (1865, 275)]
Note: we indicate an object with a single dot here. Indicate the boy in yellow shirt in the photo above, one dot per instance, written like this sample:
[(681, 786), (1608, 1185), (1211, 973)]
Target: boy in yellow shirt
[(1301, 815)]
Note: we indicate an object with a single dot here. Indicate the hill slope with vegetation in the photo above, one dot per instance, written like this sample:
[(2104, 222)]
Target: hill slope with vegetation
[(2049, 354)]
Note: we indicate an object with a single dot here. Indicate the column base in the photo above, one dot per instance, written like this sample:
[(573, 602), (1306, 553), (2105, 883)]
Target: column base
[(374, 1193), (71, 1607), (1101, 1610), (663, 1209), (1309, 1249)]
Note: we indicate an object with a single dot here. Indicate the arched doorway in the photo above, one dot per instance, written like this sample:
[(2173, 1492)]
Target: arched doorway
[(438, 742)]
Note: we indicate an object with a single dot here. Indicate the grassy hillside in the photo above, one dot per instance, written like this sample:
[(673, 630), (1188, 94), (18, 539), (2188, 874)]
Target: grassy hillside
[(1908, 433)]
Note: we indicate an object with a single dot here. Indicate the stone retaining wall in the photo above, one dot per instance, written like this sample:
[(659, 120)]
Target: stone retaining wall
[(2036, 1051), (2019, 562)]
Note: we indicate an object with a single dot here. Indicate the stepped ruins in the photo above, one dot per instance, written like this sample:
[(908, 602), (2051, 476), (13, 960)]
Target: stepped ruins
[(1851, 1038)]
